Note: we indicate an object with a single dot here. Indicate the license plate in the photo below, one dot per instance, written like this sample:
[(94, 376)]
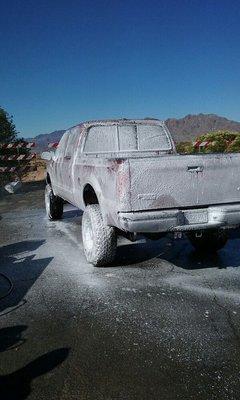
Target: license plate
[(196, 217)]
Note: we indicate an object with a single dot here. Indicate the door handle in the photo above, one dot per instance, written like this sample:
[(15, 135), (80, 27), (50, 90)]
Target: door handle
[(195, 168), (67, 158)]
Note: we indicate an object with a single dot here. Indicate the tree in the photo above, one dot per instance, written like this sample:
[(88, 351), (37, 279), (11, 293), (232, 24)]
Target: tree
[(9, 134), (8, 131)]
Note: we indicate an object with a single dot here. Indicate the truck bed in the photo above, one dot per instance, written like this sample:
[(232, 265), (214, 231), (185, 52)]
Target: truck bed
[(184, 181)]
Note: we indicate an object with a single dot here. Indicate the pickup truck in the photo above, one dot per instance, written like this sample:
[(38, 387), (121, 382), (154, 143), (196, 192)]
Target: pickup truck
[(128, 178)]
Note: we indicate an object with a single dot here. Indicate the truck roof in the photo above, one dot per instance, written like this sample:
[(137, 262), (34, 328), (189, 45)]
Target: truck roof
[(151, 121)]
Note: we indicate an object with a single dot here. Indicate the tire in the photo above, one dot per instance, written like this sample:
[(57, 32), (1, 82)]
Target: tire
[(53, 204), (209, 241), (99, 240)]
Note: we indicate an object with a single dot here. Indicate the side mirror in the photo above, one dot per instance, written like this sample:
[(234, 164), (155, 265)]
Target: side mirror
[(47, 155)]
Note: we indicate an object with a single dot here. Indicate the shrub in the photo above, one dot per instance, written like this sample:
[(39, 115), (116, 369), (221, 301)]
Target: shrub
[(219, 142), (185, 147)]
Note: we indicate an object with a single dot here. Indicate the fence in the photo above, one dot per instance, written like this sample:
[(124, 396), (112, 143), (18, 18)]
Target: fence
[(18, 156)]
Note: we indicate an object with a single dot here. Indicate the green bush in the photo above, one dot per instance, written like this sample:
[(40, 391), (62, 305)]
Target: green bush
[(219, 142), (185, 147), (234, 147)]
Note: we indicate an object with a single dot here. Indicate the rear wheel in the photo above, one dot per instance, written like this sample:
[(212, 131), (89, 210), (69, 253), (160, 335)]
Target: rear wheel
[(53, 204), (99, 239), (210, 240)]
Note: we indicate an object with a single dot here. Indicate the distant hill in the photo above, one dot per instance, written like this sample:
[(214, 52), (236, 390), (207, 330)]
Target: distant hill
[(45, 138), (191, 126), (182, 129)]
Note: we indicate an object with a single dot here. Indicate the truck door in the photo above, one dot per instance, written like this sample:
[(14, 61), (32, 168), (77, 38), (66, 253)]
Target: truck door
[(57, 164), (68, 164)]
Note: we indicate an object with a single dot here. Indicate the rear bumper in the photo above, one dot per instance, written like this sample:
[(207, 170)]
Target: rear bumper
[(227, 216)]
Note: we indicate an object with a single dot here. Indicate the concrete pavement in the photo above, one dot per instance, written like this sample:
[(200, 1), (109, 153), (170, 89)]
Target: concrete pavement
[(162, 323)]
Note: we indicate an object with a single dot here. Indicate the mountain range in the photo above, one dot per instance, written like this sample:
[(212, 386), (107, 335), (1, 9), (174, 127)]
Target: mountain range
[(182, 129), (191, 126)]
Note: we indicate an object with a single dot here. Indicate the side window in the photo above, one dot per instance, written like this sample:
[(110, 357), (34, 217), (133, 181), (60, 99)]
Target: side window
[(59, 153), (71, 144), (101, 139)]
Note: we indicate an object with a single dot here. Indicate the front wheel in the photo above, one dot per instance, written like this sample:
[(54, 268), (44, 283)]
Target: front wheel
[(53, 204), (99, 239), (209, 240)]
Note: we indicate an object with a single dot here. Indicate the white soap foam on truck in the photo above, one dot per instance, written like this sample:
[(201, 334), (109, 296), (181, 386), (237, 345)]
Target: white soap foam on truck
[(128, 178)]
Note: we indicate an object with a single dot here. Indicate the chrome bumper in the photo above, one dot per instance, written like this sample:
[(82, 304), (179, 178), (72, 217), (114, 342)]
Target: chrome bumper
[(227, 216)]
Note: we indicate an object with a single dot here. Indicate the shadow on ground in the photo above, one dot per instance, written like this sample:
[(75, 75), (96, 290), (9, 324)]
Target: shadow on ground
[(11, 337), (179, 253), (32, 186), (17, 385), (139, 252), (21, 268), (184, 256)]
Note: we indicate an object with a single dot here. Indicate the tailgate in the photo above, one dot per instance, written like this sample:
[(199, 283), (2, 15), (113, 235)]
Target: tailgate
[(178, 181), (219, 181)]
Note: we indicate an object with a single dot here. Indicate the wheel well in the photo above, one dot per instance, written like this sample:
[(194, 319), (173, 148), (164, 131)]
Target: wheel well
[(89, 195)]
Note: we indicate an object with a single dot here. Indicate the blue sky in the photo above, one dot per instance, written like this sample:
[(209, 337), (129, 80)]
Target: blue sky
[(63, 62)]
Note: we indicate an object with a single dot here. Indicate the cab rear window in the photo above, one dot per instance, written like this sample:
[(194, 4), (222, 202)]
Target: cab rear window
[(125, 138)]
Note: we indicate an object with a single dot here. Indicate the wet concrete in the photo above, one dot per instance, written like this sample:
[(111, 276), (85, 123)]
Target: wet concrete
[(162, 323)]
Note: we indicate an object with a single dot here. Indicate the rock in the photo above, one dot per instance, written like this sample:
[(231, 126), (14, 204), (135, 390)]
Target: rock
[(13, 187)]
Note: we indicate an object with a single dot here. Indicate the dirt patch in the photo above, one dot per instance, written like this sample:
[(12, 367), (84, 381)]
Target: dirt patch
[(38, 171), (30, 196)]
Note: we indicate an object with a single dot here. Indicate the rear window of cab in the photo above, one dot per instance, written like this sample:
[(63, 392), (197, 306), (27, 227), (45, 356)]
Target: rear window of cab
[(115, 138)]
